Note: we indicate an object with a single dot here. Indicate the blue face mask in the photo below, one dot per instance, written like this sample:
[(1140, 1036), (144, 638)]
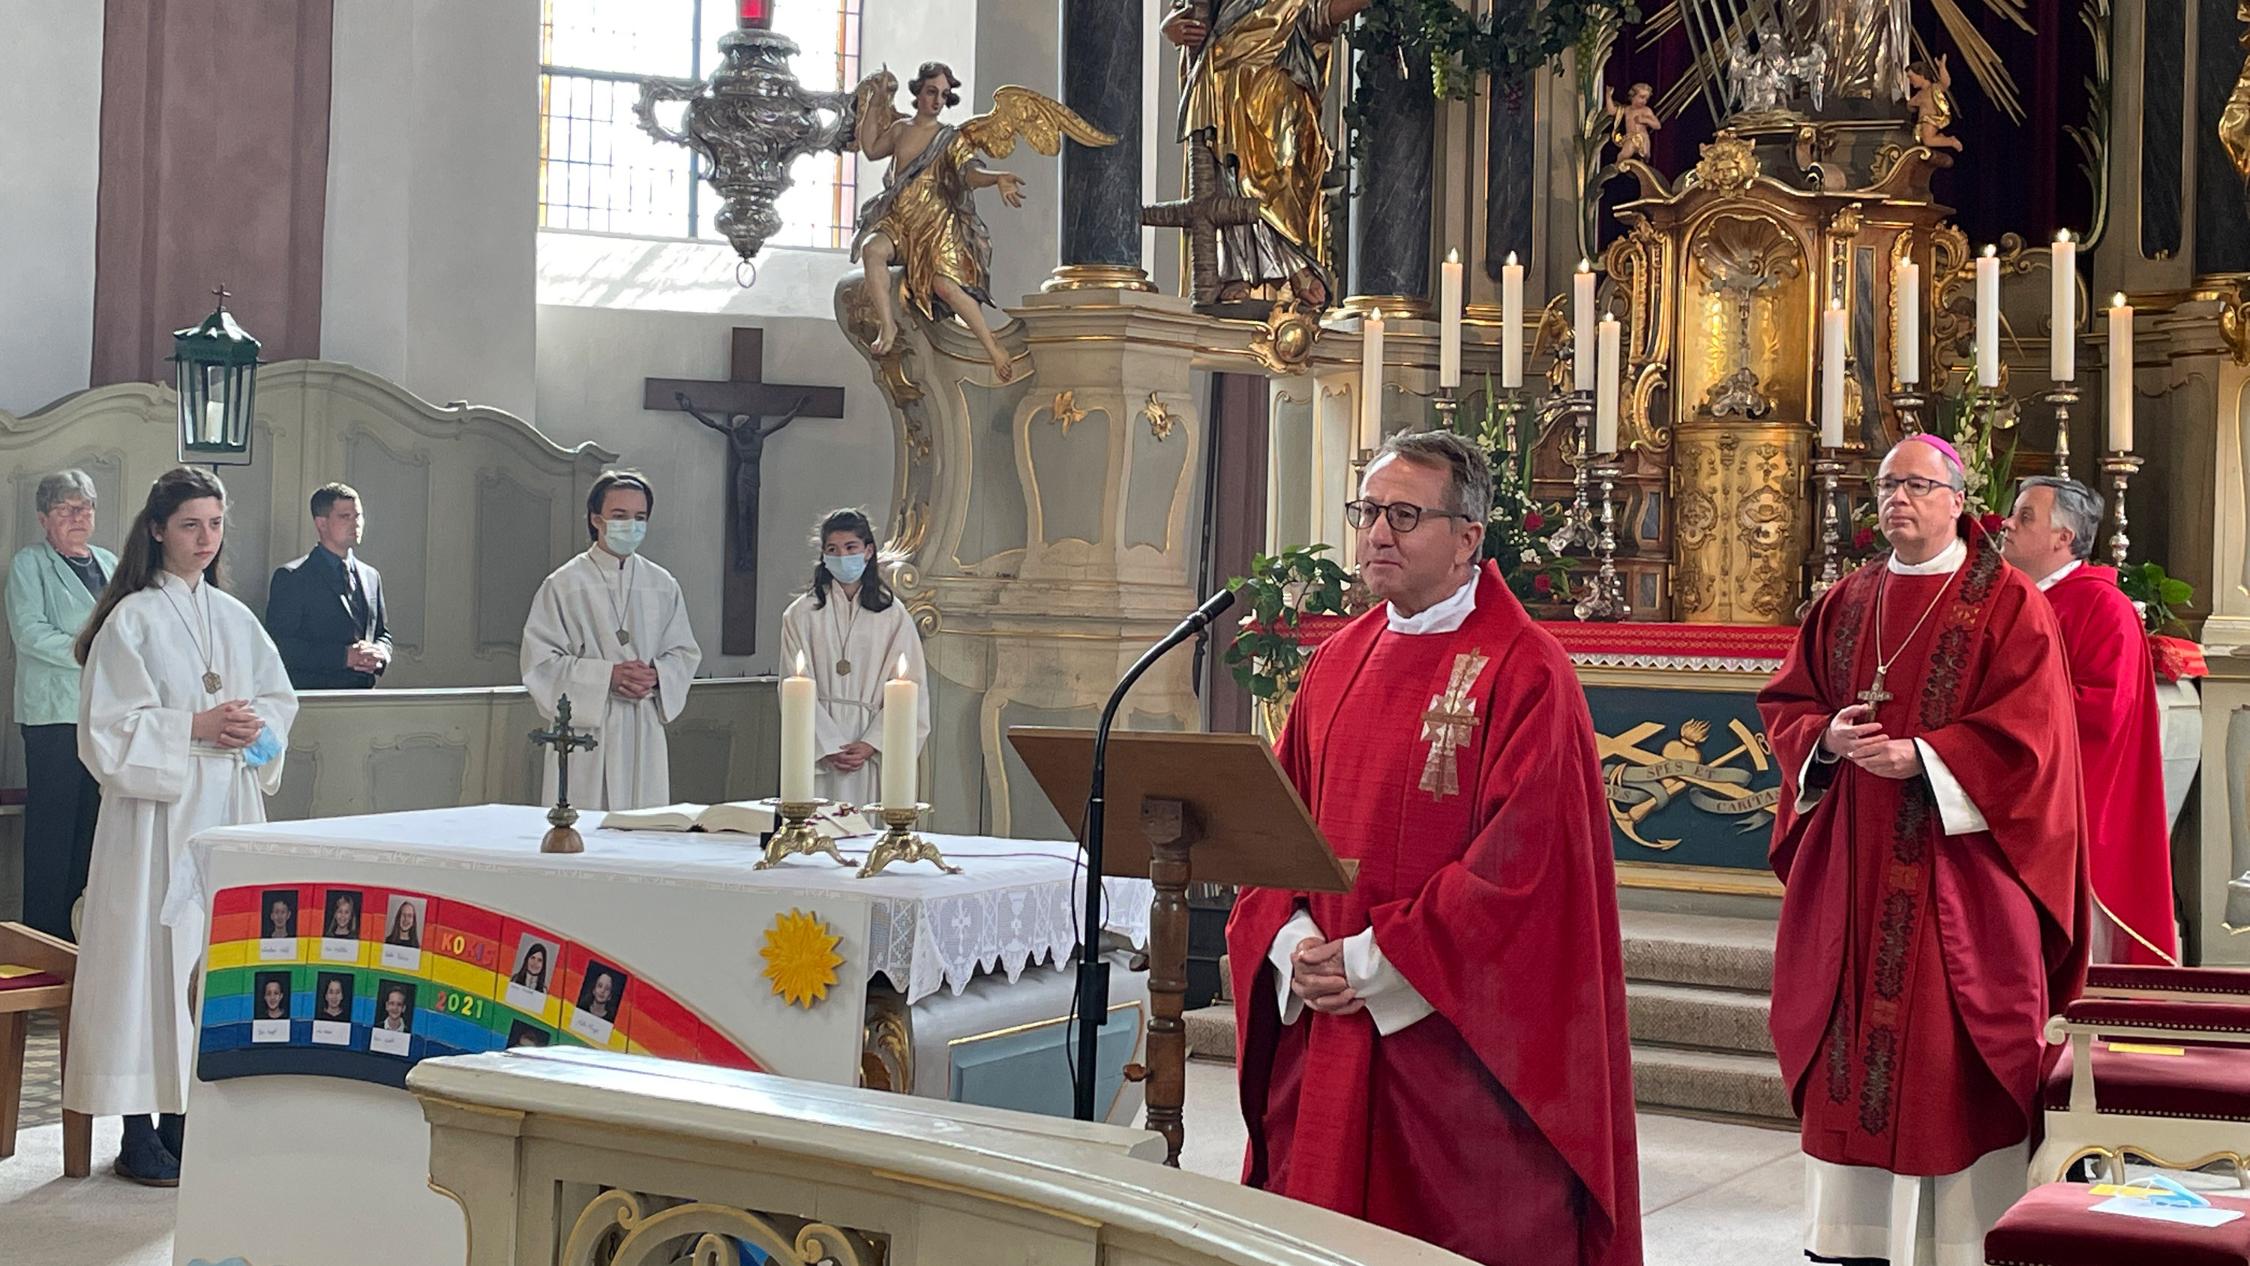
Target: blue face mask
[(624, 536), (845, 567), (262, 749)]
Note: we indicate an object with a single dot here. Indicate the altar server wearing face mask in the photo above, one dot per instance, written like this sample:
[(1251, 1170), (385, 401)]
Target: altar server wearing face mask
[(851, 634), (610, 630)]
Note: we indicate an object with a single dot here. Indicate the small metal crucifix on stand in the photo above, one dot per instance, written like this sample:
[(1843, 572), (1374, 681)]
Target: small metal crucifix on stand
[(562, 833)]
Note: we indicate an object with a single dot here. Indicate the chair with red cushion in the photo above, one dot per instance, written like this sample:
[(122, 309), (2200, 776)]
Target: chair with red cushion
[(2055, 1225), (41, 971), (2158, 1064)]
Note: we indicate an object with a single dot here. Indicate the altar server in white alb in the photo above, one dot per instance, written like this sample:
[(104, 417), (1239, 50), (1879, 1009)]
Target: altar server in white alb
[(183, 716), (851, 633), (610, 630)]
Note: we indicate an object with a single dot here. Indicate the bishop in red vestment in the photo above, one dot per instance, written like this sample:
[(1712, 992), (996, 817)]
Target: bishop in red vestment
[(1442, 1050), (2120, 742), (1931, 845)]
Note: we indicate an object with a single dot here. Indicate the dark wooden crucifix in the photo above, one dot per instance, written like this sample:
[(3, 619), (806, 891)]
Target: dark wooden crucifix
[(740, 409)]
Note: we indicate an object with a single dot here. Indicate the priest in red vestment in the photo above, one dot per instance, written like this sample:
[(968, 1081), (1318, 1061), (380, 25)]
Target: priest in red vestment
[(2120, 741), (1442, 1050), (1931, 847)]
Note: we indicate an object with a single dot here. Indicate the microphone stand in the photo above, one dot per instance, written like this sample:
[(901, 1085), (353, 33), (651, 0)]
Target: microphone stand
[(1093, 972)]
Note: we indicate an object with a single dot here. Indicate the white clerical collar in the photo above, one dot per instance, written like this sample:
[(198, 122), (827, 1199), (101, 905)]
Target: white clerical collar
[(1947, 562), (2054, 577), (1443, 617), (193, 584), (609, 564)]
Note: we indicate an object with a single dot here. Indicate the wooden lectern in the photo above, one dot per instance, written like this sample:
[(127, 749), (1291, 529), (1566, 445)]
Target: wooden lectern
[(1216, 806)]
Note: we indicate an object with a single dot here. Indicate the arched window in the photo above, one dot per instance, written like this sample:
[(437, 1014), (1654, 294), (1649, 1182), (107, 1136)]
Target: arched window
[(599, 172)]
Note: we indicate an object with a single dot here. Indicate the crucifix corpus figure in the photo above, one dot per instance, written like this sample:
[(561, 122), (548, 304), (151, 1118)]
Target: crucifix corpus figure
[(562, 833), (738, 408)]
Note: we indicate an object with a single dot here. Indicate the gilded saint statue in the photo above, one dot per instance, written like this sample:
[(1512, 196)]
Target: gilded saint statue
[(1867, 46), (925, 219), (1255, 74)]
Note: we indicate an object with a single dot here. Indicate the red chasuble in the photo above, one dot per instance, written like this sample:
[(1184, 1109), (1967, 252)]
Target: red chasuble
[(1916, 970), (1459, 768), (2121, 754)]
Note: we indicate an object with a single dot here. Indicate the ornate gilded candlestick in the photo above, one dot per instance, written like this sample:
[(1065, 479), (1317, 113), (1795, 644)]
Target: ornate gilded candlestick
[(1509, 405), (796, 836), (1908, 404), (1827, 468), (2121, 467), (1605, 598), (1578, 520), (2062, 397), (901, 845), (1448, 405)]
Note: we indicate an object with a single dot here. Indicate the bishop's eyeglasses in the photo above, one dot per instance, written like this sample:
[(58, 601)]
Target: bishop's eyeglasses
[(1404, 516)]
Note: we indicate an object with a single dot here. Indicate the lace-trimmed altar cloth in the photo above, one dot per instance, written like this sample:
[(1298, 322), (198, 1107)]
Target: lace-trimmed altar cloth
[(1016, 904)]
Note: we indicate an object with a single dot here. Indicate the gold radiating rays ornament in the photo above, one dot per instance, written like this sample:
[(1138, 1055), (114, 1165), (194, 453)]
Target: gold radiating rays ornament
[(801, 958)]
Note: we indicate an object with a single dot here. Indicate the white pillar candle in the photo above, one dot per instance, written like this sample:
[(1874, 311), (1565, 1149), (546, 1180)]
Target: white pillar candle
[(215, 422), (1449, 316), (1606, 361), (2062, 350), (1908, 354), (1988, 318), (1832, 376), (797, 736), (1371, 380), (1511, 322), (2120, 376), (902, 711), (1582, 326)]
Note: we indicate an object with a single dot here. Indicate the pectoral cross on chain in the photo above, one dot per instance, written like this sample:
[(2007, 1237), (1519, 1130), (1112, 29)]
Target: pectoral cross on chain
[(564, 740), (1875, 695), (1449, 725)]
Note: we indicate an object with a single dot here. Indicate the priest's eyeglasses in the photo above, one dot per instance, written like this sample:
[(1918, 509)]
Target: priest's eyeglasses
[(1915, 486), (1404, 516)]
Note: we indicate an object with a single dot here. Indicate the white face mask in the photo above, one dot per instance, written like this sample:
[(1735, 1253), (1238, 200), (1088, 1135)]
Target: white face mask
[(845, 567), (624, 536)]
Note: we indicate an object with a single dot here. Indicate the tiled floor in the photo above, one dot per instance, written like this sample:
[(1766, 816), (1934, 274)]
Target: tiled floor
[(1710, 1192)]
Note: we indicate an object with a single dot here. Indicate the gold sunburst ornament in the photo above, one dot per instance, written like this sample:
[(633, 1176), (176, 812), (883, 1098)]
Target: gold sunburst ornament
[(801, 958)]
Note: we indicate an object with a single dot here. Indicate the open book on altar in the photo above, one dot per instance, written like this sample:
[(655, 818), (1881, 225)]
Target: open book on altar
[(740, 817)]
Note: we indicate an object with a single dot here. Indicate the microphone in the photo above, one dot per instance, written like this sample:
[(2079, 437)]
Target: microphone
[(1092, 994)]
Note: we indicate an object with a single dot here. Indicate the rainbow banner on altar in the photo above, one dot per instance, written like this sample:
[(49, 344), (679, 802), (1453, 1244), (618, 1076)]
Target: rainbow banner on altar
[(360, 982)]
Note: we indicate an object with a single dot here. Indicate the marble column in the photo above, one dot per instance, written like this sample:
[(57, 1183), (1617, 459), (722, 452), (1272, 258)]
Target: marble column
[(1390, 219), (1511, 188), (1100, 198)]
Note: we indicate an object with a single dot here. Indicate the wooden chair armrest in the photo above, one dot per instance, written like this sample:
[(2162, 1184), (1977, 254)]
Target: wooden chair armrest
[(30, 947)]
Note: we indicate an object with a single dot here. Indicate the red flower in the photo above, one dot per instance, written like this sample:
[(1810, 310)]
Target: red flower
[(1533, 520), (1863, 539), (1993, 524), (1542, 583)]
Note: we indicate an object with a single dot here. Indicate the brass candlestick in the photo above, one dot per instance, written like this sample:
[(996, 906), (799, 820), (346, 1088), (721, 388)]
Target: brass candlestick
[(1908, 403), (900, 844), (1605, 598), (796, 836), (2121, 467), (1827, 468), (1510, 407), (1578, 520), (1448, 405), (2062, 397)]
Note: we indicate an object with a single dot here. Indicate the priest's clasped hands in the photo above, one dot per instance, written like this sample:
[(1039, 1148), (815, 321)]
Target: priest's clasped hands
[(1317, 976), (1865, 745), (231, 724), (632, 680)]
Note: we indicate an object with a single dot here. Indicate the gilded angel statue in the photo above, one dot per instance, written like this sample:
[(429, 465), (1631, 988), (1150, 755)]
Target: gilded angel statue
[(925, 219)]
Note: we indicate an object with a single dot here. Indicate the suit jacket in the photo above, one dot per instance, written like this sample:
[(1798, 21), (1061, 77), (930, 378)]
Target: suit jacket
[(309, 613), (47, 606)]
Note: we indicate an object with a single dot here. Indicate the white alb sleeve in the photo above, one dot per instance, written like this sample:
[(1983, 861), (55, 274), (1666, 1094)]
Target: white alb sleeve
[(1392, 1000), (1285, 942), (1956, 812)]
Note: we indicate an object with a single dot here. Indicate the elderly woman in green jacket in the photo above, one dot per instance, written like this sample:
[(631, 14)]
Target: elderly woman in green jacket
[(52, 587)]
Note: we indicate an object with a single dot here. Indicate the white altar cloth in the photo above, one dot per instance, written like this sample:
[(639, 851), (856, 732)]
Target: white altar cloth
[(1017, 903)]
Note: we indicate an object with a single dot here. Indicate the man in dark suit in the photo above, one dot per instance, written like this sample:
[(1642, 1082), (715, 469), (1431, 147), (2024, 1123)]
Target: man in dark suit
[(325, 611)]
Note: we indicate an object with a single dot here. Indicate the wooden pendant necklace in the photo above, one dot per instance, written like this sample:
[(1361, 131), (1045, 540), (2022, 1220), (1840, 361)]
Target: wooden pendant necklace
[(211, 682), (1875, 695)]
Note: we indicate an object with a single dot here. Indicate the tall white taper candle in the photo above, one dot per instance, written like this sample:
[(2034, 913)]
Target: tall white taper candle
[(2120, 375), (1582, 326), (1607, 362), (1988, 318), (1511, 322), (1832, 375), (902, 711), (797, 736), (1371, 380), (1908, 354), (1449, 317)]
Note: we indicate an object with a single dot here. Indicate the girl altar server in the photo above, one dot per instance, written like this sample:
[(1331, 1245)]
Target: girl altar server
[(851, 633), (183, 717)]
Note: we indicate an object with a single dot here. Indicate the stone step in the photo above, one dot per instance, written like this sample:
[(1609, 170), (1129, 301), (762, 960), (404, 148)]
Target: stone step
[(1718, 1083), (1696, 949), (1693, 1016)]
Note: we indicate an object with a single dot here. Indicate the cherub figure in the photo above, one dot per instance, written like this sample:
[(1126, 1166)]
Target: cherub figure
[(1631, 121), (1929, 94), (925, 218)]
